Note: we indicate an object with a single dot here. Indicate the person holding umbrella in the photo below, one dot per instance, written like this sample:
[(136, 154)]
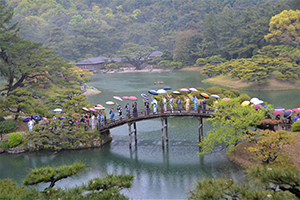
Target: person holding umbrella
[(164, 101), (30, 125), (171, 101), (134, 111), (187, 103), (127, 108), (93, 121), (204, 105), (102, 119)]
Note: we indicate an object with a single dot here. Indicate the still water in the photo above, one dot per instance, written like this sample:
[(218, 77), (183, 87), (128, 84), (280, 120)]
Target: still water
[(159, 174)]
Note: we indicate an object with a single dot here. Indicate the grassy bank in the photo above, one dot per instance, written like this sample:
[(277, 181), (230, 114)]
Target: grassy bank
[(275, 84), (290, 153)]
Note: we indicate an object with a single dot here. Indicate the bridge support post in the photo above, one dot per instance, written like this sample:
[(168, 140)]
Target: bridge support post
[(135, 136), (129, 126), (166, 126), (200, 128), (162, 133)]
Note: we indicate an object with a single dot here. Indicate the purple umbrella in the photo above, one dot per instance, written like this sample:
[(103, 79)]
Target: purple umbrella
[(258, 106), (61, 118), (167, 88), (26, 119), (184, 90), (145, 96)]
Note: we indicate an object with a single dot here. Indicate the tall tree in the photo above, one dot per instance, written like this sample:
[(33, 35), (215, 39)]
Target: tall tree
[(135, 54)]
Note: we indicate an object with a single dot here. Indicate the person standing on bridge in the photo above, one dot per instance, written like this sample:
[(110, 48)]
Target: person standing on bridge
[(147, 104), (119, 108), (93, 121), (195, 100), (134, 110), (171, 101), (102, 119), (154, 108), (187, 103), (112, 115), (164, 101), (178, 102), (127, 108), (204, 105)]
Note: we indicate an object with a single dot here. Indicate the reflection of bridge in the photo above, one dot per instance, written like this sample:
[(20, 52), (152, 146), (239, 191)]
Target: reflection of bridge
[(142, 115)]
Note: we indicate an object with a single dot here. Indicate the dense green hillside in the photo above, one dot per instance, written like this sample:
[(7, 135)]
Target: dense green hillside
[(85, 28)]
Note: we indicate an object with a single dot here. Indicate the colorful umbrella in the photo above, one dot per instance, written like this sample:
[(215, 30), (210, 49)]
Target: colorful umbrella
[(226, 99), (34, 116), (153, 92), (99, 107), (296, 109), (286, 114), (280, 108), (184, 90), (92, 109), (125, 97), (161, 91), (75, 114), (61, 118), (258, 106), (245, 103), (85, 109), (176, 92), (44, 118), (145, 96), (204, 94), (167, 88), (215, 96), (57, 110), (289, 110), (118, 98), (109, 103), (277, 112), (132, 98), (193, 89), (26, 119)]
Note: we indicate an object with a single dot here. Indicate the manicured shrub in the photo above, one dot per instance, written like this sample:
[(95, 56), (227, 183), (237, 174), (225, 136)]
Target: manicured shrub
[(229, 94), (87, 79), (40, 111), (296, 127), (2, 119), (236, 92), (15, 139), (3, 145), (244, 97), (8, 126), (214, 90)]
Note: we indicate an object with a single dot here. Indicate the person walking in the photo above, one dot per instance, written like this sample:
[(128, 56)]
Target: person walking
[(204, 105), (93, 121), (119, 108), (147, 105), (30, 125), (178, 102), (187, 104), (164, 101), (102, 117), (112, 115), (195, 100)]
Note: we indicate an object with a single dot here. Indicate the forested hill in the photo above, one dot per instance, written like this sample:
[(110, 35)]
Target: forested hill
[(85, 28)]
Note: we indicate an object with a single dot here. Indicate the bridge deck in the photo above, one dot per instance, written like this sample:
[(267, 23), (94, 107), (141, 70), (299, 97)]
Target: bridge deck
[(142, 115)]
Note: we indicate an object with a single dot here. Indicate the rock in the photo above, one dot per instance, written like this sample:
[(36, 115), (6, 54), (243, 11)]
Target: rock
[(31, 147), (1, 150), (83, 89), (96, 143), (16, 150)]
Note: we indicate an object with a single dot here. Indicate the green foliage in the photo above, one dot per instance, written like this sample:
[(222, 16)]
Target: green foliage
[(87, 79), (52, 175), (40, 111), (4, 145), (244, 97), (296, 126), (230, 122), (8, 126), (236, 92), (2, 119), (229, 94), (214, 90), (15, 139)]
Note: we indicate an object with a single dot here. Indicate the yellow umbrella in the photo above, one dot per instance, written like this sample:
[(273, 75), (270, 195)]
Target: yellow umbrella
[(245, 103), (109, 103), (204, 95)]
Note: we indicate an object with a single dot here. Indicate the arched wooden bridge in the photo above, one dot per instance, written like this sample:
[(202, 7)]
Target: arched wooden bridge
[(142, 115)]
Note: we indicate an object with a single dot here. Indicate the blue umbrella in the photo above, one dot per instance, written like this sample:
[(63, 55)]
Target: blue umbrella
[(26, 119), (176, 92), (145, 96), (34, 116), (153, 92), (61, 118), (280, 108), (167, 88)]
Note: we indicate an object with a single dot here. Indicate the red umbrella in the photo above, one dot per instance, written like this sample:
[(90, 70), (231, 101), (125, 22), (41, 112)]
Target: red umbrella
[(277, 112), (125, 97), (132, 98)]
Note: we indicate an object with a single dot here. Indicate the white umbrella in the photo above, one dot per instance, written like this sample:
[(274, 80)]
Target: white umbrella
[(57, 110), (193, 89), (254, 100), (161, 91), (258, 102), (215, 96)]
